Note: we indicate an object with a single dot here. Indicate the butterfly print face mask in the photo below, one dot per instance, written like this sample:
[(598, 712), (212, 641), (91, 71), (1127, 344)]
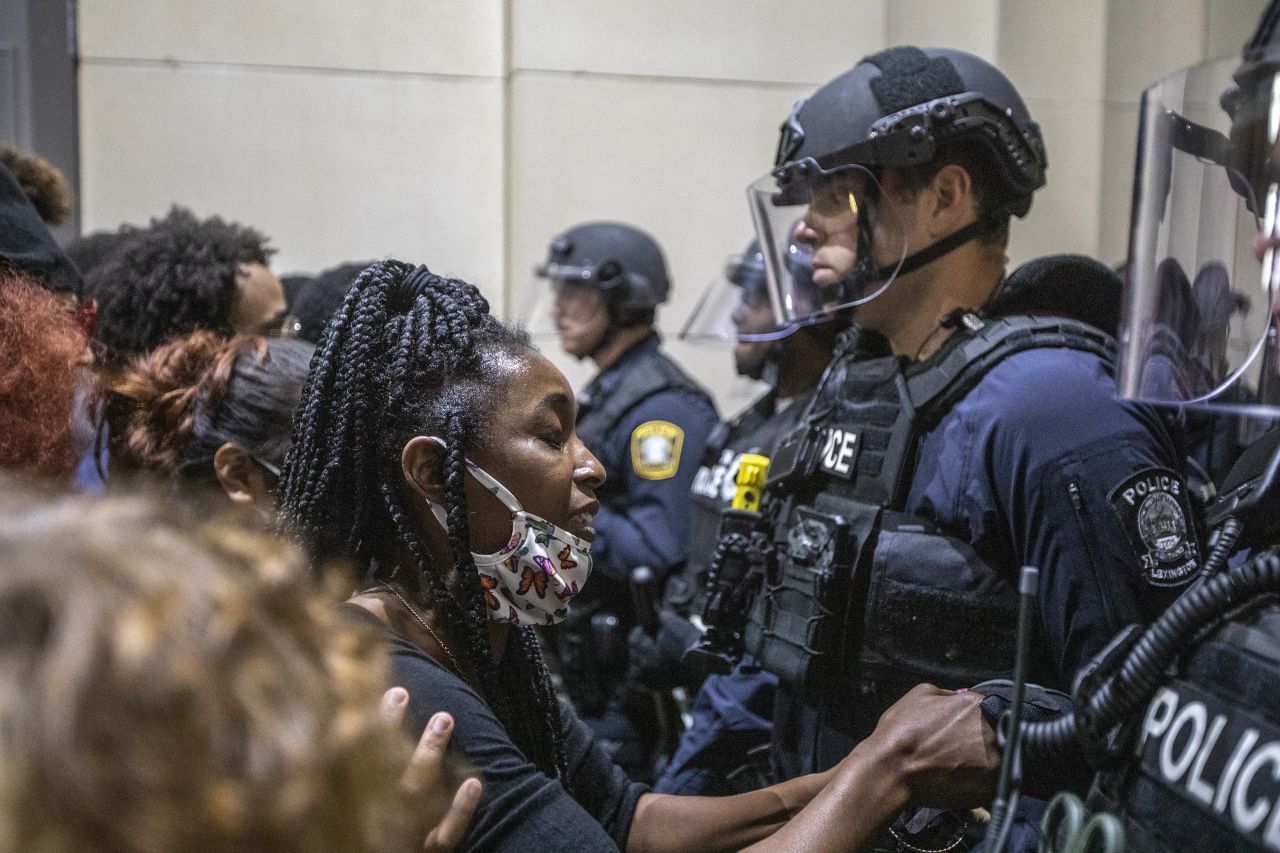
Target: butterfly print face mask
[(531, 579)]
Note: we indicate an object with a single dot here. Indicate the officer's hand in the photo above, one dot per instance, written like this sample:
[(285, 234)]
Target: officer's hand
[(939, 743), (658, 659)]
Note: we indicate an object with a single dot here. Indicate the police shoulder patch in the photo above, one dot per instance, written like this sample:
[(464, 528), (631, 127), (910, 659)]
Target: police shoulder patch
[(655, 450), (1155, 511)]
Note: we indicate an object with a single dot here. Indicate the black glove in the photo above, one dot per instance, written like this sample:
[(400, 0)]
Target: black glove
[(1039, 704), (656, 661), (1041, 779)]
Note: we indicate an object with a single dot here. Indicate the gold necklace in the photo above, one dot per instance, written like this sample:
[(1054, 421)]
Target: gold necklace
[(423, 622)]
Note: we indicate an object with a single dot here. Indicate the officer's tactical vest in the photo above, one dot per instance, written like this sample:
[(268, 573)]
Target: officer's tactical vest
[(860, 599), (601, 413), (756, 430)]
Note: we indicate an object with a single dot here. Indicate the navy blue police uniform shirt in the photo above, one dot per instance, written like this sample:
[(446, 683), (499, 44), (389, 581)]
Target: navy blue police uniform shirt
[(1041, 465), (655, 450)]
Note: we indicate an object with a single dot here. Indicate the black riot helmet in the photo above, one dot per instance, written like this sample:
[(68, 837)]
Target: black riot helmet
[(624, 263), (903, 107)]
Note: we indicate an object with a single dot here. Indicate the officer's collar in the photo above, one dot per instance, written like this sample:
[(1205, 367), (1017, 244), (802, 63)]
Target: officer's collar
[(606, 379)]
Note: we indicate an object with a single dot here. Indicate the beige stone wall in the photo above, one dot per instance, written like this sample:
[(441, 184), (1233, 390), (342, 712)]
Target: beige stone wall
[(465, 133)]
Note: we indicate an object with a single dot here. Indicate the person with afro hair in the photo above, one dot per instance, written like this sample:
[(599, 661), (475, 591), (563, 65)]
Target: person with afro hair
[(181, 274)]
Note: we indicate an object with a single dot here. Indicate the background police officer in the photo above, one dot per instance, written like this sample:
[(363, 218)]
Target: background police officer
[(987, 443), (647, 422)]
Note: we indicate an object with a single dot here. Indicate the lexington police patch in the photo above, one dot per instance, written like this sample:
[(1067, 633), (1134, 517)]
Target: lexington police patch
[(655, 450), (1155, 512)]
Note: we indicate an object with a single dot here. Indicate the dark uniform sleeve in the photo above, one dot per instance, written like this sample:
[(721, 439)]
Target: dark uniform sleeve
[(1104, 511), (660, 443), (521, 808), (1087, 488)]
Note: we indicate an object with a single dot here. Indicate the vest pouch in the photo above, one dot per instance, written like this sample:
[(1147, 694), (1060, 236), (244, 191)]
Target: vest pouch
[(801, 611), (935, 611), (795, 459), (686, 586)]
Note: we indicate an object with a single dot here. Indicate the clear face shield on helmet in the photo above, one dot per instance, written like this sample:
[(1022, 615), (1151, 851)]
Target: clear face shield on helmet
[(564, 302), (736, 306), (856, 244), (1200, 316)]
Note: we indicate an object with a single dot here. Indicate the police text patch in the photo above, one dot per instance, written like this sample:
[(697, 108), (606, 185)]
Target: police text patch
[(1156, 514), (840, 453), (720, 481), (655, 450)]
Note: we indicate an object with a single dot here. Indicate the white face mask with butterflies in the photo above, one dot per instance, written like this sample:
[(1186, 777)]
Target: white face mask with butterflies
[(531, 579)]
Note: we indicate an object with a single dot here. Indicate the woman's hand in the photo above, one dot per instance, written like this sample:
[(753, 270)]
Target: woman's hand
[(426, 781), (938, 744)]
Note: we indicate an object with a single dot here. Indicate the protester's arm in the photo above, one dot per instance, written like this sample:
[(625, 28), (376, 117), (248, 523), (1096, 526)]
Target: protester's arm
[(666, 822), (860, 797), (932, 747)]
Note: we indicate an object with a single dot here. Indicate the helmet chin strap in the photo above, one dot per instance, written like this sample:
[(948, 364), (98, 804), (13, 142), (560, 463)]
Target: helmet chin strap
[(611, 332), (865, 273)]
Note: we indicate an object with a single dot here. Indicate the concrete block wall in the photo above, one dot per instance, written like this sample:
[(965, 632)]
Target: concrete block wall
[(465, 133)]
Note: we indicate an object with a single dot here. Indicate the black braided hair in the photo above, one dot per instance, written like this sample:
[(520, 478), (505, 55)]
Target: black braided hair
[(411, 353)]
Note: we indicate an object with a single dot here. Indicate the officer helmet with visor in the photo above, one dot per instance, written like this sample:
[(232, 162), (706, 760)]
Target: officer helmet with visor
[(735, 306), (598, 277), (1200, 318), (900, 108)]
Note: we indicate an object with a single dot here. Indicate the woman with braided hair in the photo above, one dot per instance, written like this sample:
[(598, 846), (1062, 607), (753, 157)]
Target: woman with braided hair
[(434, 450)]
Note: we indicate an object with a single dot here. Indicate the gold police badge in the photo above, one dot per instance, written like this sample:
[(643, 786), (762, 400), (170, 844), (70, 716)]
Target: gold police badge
[(655, 450)]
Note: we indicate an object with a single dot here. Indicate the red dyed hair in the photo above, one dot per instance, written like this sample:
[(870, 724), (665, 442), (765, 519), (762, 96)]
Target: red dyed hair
[(40, 343), (152, 404)]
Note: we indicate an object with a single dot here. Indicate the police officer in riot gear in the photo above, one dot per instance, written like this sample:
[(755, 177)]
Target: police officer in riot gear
[(917, 484), (647, 422), (789, 359), (731, 713)]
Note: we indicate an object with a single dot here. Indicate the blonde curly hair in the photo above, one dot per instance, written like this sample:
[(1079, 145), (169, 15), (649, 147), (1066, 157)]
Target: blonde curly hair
[(168, 688)]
